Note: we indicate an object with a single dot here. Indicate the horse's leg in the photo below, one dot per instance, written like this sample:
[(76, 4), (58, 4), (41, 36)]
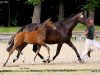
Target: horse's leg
[(58, 50), (19, 49), (44, 44), (89, 52), (35, 49), (37, 52), (10, 52), (17, 57), (74, 48), (7, 60)]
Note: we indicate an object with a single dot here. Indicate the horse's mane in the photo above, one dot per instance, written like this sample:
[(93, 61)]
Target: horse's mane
[(67, 17)]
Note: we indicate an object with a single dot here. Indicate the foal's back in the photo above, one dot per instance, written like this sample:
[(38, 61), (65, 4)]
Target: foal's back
[(34, 37)]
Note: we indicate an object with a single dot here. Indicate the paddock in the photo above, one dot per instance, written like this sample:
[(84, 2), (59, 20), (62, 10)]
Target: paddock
[(65, 62)]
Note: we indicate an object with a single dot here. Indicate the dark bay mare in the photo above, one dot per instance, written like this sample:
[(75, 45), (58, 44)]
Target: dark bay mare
[(62, 34), (37, 37)]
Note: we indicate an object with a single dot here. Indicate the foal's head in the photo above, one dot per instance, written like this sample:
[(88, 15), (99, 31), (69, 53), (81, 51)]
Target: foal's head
[(49, 24)]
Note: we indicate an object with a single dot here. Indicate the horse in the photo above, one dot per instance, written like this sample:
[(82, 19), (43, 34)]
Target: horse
[(37, 37), (62, 34)]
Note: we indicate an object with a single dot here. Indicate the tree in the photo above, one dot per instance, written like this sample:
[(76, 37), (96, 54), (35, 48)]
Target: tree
[(8, 13), (37, 10), (90, 6), (61, 10)]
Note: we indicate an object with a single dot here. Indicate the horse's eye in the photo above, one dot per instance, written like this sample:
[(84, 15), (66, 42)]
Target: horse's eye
[(51, 23)]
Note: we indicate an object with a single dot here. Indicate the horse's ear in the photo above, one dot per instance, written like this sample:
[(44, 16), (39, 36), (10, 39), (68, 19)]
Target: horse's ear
[(81, 15)]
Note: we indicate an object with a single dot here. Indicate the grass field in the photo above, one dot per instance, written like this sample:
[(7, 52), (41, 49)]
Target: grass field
[(79, 27), (8, 29)]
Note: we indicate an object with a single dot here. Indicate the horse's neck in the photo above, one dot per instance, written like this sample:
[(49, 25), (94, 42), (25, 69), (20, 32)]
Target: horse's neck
[(72, 22)]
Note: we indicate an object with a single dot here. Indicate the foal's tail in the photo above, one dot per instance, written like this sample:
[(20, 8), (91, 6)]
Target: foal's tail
[(10, 46), (12, 38), (11, 41)]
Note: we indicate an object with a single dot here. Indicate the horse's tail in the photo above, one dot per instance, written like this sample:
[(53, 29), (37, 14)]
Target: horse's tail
[(10, 46), (12, 38)]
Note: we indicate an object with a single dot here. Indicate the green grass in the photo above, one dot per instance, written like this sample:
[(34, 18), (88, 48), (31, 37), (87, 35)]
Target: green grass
[(8, 29), (79, 27)]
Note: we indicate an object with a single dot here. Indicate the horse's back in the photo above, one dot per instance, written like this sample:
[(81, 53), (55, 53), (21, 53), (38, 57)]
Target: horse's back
[(31, 27)]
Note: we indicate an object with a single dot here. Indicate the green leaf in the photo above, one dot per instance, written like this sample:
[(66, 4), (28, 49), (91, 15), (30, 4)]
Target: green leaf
[(33, 2)]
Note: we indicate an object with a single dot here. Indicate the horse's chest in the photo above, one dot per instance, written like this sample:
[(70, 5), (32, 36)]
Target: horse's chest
[(54, 38)]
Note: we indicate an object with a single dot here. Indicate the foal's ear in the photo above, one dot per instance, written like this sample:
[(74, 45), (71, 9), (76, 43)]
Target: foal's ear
[(49, 19)]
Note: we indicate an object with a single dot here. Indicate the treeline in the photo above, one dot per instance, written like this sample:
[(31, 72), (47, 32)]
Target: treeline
[(22, 12)]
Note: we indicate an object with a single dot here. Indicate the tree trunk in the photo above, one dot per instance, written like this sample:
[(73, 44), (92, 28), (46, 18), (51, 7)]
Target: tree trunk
[(36, 13), (9, 13), (61, 10)]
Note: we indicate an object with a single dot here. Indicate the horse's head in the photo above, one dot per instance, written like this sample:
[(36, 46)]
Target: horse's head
[(48, 23), (82, 17)]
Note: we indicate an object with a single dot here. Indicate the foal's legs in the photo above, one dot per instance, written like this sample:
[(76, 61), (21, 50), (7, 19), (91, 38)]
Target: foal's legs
[(19, 49), (35, 49), (58, 50), (74, 48), (44, 44), (10, 52)]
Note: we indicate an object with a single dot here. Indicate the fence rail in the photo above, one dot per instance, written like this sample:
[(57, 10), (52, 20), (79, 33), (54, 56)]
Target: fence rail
[(76, 34)]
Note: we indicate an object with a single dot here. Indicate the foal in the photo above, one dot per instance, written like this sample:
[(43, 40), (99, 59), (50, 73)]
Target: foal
[(37, 37)]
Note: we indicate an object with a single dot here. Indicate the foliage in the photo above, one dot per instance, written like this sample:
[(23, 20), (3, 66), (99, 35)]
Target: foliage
[(91, 4), (14, 21), (34, 2)]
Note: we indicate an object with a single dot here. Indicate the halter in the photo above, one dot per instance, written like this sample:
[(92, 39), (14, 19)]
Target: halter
[(81, 16)]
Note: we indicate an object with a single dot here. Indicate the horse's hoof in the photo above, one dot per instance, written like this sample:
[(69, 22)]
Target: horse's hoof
[(34, 58), (48, 61), (4, 65), (53, 58), (89, 52), (14, 60), (80, 60), (23, 61), (44, 61)]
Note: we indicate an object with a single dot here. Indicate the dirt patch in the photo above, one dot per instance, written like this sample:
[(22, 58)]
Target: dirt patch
[(65, 64)]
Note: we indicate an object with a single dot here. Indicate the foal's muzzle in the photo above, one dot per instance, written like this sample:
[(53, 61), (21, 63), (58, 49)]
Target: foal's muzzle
[(54, 27)]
